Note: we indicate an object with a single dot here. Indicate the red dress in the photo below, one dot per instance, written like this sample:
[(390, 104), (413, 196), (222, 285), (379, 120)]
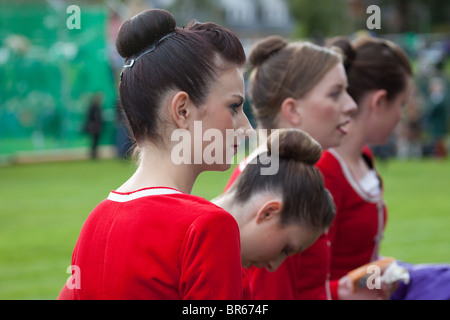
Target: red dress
[(360, 216), (157, 243)]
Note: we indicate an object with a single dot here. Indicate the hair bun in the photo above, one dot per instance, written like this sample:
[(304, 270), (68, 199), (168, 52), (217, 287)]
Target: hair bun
[(295, 144), (140, 31), (265, 48), (346, 48)]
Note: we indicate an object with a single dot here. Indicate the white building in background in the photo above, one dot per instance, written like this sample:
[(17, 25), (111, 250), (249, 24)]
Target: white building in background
[(240, 13), (275, 14), (257, 16), (244, 13), (249, 19)]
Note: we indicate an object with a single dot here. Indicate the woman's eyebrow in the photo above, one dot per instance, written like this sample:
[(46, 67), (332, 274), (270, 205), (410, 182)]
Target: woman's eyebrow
[(240, 97), (340, 86)]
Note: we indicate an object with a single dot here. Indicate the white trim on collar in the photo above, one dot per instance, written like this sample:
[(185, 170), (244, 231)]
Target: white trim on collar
[(353, 182), (124, 197)]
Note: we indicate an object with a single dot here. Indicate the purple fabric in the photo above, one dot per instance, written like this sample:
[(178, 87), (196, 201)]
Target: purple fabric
[(427, 282)]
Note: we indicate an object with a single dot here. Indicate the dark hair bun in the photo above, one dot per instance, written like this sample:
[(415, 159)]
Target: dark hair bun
[(140, 31), (294, 144), (346, 48), (265, 48)]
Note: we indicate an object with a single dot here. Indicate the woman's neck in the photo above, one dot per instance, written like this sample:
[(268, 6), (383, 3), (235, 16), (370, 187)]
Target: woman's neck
[(156, 169), (351, 147)]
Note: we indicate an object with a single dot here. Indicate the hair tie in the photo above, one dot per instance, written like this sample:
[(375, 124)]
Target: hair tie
[(129, 63)]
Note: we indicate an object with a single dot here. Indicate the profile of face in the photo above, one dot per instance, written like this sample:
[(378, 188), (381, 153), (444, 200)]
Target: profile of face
[(216, 127), (265, 243), (223, 121), (327, 108), (388, 115)]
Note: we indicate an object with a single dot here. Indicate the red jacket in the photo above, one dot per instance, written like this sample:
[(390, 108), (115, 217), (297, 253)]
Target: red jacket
[(157, 243), (360, 217)]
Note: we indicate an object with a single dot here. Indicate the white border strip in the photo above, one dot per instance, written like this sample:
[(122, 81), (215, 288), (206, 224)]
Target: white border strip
[(121, 197), (355, 185)]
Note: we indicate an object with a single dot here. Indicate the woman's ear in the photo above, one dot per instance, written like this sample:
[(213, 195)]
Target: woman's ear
[(180, 109), (377, 101), (290, 112), (269, 210)]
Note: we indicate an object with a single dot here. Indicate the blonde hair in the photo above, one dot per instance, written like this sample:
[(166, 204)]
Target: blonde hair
[(281, 70)]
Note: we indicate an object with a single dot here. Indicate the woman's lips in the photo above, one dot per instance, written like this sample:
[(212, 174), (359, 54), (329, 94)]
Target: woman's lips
[(342, 128)]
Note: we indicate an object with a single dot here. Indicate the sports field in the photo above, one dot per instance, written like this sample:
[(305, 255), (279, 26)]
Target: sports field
[(43, 206)]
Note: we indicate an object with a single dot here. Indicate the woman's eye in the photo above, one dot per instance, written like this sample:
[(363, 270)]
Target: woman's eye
[(235, 107), (335, 94), (285, 251)]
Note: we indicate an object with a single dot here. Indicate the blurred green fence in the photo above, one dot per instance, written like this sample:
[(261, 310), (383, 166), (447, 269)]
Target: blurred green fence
[(48, 75)]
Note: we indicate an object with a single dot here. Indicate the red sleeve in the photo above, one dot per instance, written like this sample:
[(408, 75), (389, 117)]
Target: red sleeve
[(210, 259), (331, 171), (66, 294)]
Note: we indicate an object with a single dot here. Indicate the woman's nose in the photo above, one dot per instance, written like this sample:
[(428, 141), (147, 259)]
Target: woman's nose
[(350, 105)]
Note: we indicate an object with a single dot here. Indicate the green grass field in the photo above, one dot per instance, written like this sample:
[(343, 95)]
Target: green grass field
[(43, 206)]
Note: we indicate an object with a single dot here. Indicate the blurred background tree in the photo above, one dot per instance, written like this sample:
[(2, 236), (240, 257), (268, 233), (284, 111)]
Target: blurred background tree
[(47, 69), (320, 18), (329, 18)]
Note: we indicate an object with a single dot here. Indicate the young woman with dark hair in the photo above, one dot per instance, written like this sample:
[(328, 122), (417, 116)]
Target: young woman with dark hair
[(152, 239), (282, 213)]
